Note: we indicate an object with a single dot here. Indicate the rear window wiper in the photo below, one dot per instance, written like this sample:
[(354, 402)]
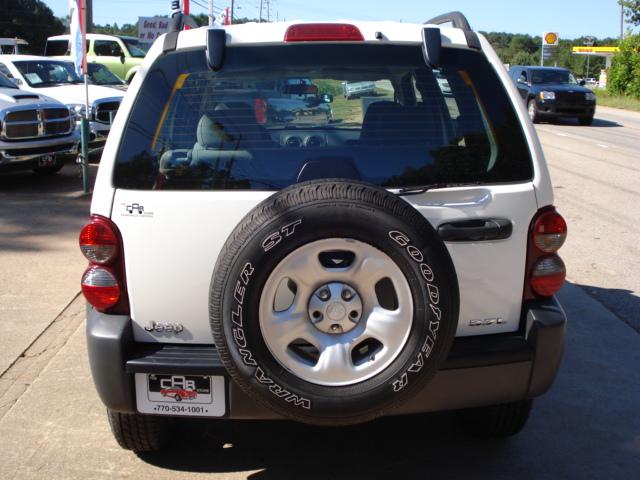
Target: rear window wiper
[(434, 186)]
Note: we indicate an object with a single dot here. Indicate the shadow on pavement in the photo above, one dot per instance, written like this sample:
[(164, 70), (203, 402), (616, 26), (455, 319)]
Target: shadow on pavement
[(396, 447), (67, 181), (597, 122), (624, 303), (34, 207)]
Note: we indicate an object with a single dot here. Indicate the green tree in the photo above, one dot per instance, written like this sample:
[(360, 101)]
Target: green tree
[(203, 19), (523, 58), (31, 20), (127, 29), (624, 74), (631, 11)]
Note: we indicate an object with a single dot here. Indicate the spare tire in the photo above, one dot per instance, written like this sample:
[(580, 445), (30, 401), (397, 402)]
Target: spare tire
[(333, 301)]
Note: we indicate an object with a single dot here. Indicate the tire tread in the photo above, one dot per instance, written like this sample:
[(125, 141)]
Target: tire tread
[(137, 432), (502, 420)]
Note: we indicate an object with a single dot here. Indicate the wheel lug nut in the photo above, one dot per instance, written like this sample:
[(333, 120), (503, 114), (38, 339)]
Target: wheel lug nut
[(347, 295), (317, 316), (335, 328), (353, 314), (324, 294)]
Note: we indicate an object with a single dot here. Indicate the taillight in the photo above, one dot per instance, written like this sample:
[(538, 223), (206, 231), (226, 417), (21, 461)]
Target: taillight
[(98, 241), (323, 32), (103, 283), (100, 287), (547, 275), (260, 108), (546, 271), (549, 231)]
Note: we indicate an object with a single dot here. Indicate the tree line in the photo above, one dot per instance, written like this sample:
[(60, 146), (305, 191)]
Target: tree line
[(522, 49), (34, 21)]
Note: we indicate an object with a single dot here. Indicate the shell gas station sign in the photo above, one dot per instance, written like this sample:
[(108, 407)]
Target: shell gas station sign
[(602, 51), (550, 39), (550, 42)]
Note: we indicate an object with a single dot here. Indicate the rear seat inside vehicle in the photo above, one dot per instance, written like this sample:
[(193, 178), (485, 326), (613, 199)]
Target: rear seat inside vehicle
[(229, 141)]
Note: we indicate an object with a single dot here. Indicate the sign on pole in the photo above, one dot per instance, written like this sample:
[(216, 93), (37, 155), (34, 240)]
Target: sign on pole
[(150, 28), (550, 42), (550, 38)]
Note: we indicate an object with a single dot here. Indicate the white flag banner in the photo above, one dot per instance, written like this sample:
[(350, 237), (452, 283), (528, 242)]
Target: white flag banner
[(75, 41)]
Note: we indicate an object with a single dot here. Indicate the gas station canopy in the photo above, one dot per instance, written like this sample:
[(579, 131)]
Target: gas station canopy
[(606, 52)]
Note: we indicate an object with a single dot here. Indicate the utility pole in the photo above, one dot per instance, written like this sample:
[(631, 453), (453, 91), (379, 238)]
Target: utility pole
[(621, 21), (211, 17), (89, 10), (589, 42), (268, 11), (260, 11), (231, 20)]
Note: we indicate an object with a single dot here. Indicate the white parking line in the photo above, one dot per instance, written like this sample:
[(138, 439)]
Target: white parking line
[(602, 145)]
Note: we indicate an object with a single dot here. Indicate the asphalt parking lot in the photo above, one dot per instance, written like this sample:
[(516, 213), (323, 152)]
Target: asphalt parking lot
[(52, 424)]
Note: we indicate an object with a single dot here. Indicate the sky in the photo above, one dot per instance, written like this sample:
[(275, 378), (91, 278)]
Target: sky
[(570, 18)]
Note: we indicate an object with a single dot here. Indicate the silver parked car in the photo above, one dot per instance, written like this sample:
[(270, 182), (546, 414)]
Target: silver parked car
[(358, 89)]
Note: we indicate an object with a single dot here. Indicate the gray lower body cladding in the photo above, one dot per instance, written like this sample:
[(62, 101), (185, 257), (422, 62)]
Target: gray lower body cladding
[(482, 370)]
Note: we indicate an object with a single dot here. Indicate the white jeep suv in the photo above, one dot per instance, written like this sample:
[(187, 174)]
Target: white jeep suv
[(398, 259)]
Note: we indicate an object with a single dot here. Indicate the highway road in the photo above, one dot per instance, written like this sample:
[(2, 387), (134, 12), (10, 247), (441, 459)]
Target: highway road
[(52, 424), (596, 178)]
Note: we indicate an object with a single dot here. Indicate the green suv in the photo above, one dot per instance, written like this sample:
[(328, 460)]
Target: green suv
[(122, 55)]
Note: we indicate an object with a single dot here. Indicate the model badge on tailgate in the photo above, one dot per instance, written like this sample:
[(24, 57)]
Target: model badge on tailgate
[(477, 322), (164, 327)]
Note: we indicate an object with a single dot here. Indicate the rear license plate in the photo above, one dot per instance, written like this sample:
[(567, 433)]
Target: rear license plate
[(186, 395)]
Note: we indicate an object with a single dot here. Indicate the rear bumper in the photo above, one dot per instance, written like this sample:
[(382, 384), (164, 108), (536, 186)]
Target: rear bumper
[(480, 371)]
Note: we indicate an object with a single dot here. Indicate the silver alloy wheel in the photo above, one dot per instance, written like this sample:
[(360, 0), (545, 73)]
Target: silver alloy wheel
[(334, 358)]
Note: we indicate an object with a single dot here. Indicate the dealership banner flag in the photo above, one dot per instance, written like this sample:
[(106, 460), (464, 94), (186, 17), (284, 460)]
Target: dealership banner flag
[(77, 47)]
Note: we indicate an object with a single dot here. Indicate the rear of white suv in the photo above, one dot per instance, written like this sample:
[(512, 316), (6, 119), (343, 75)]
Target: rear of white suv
[(399, 257)]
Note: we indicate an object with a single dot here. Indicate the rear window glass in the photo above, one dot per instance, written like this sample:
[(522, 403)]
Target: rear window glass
[(552, 76), (56, 48), (277, 115)]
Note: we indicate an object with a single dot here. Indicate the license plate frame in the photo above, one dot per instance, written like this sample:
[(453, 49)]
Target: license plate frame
[(181, 395), (47, 161)]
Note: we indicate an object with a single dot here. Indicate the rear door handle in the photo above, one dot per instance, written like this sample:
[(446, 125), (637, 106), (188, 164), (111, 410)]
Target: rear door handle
[(476, 230)]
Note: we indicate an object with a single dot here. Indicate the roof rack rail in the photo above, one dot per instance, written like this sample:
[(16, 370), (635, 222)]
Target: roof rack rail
[(457, 19)]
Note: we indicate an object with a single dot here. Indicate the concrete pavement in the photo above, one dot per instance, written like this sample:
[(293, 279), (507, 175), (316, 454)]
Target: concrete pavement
[(40, 263), (586, 427)]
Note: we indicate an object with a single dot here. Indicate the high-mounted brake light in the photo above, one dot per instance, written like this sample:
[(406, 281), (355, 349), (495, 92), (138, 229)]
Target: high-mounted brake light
[(260, 110), (103, 283), (545, 272), (323, 32)]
